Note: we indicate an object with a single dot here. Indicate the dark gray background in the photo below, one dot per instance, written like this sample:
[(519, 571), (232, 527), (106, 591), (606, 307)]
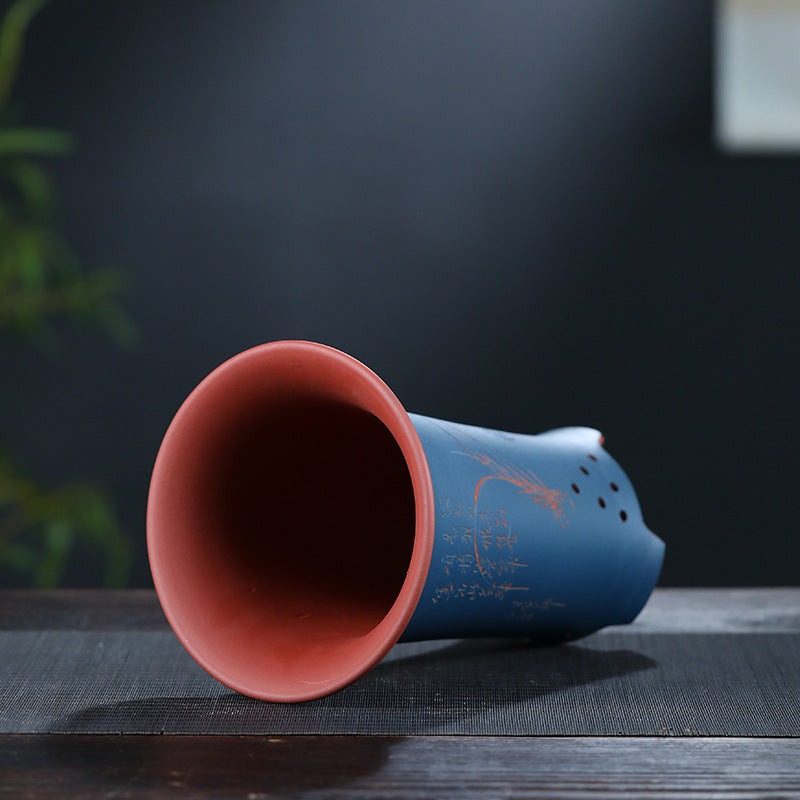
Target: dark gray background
[(513, 212)]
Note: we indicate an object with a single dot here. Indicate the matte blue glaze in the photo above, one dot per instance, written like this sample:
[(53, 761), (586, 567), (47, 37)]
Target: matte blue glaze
[(517, 550)]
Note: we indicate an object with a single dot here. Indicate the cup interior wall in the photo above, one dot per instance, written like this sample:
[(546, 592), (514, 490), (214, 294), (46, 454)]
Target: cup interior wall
[(285, 521)]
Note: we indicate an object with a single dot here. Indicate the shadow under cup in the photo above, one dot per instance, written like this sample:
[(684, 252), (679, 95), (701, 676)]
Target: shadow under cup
[(290, 521)]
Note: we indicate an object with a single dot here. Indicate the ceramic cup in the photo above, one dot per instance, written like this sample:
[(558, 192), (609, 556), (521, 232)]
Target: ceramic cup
[(300, 522)]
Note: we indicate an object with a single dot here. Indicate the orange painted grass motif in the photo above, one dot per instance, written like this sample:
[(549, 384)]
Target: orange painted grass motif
[(528, 484)]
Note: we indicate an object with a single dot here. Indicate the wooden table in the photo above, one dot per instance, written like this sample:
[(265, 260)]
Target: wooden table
[(670, 763)]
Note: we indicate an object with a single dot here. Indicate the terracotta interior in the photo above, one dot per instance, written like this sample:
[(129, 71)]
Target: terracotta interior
[(281, 527)]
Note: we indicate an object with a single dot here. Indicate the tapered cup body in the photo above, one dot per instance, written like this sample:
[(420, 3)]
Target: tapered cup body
[(300, 522), (537, 536)]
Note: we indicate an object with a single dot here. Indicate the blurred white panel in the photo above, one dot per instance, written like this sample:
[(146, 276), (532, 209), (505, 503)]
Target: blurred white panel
[(758, 75)]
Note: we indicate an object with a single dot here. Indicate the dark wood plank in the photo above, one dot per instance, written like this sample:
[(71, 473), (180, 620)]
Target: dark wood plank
[(258, 768), (760, 610), (772, 610), (81, 610)]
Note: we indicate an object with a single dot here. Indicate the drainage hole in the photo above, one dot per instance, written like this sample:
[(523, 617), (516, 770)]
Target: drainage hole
[(584, 470), (575, 488), (594, 458), (614, 486), (623, 515), (602, 502)]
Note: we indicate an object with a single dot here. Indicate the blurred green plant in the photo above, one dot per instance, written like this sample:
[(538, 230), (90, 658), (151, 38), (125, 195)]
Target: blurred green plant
[(42, 281)]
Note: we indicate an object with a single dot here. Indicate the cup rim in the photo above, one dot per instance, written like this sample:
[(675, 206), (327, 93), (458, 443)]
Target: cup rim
[(364, 390)]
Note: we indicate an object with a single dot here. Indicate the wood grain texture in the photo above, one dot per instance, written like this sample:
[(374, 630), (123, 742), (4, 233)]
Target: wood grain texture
[(81, 610), (383, 767), (768, 610)]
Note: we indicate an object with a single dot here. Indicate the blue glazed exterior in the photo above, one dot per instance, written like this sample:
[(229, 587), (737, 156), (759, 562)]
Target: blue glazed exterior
[(538, 536)]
